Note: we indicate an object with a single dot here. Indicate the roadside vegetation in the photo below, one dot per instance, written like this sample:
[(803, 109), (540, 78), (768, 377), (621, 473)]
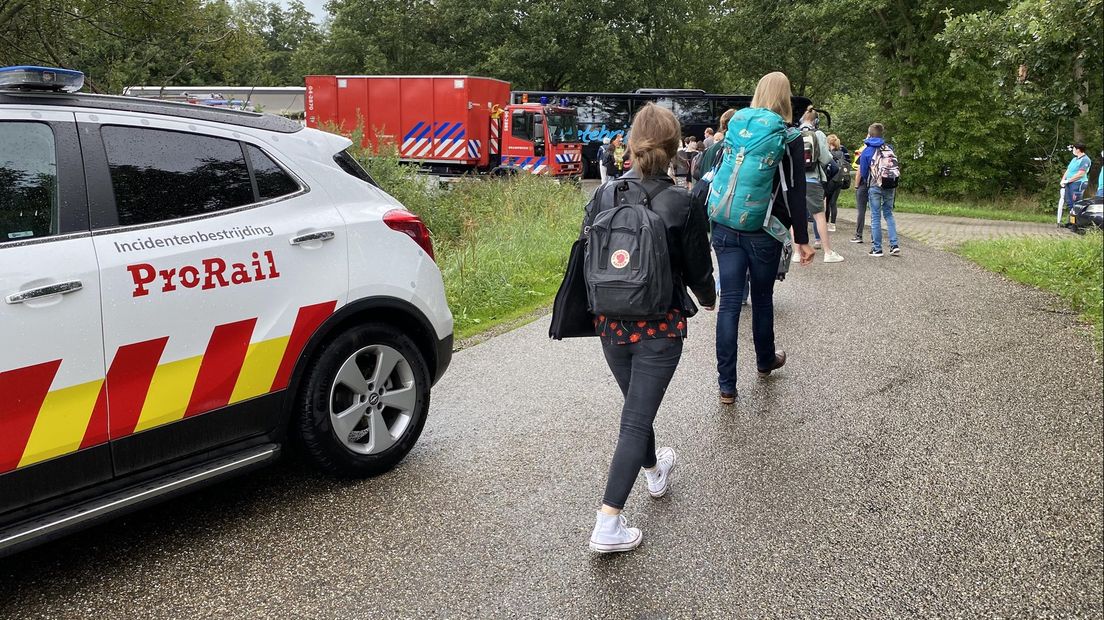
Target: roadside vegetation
[(501, 243), (1070, 267), (1014, 208)]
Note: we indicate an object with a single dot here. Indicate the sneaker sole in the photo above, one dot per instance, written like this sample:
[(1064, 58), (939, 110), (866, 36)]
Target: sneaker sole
[(855, 240), (667, 485), (616, 547)]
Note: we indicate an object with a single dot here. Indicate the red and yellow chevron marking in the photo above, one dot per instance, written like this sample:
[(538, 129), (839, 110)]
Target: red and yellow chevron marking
[(141, 391)]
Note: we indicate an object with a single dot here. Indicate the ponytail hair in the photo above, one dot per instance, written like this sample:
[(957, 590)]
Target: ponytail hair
[(653, 139), (810, 117)]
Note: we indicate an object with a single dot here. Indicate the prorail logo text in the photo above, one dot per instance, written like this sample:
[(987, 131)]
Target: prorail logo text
[(209, 274)]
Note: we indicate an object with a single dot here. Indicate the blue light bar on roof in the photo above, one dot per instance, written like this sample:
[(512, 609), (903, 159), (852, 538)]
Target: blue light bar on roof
[(41, 78)]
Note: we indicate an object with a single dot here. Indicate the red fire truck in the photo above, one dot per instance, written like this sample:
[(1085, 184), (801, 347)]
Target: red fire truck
[(450, 124)]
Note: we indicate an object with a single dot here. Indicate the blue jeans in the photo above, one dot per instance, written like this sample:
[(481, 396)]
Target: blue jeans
[(1073, 192), (881, 203), (741, 255)]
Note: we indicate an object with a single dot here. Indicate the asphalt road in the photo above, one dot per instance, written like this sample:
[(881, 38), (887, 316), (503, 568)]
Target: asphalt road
[(932, 448)]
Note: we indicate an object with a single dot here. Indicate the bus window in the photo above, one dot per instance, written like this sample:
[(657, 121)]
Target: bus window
[(609, 110), (720, 106), (692, 111)]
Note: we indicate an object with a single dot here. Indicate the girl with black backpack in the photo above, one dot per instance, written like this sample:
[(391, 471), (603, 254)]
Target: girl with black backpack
[(642, 351)]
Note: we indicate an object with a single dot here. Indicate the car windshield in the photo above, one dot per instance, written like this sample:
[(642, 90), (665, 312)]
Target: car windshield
[(562, 128)]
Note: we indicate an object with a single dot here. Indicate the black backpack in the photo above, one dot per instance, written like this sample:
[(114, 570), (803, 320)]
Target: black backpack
[(843, 177), (626, 263)]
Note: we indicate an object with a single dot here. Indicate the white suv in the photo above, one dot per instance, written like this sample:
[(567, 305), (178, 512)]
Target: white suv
[(182, 291)]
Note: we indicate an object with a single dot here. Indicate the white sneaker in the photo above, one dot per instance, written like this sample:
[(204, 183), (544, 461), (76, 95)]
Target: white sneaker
[(816, 243), (833, 257), (659, 480), (831, 227), (796, 258), (612, 534)]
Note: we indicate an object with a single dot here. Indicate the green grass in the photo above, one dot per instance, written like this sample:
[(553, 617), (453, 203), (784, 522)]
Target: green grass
[(1070, 266), (501, 243), (1012, 208)]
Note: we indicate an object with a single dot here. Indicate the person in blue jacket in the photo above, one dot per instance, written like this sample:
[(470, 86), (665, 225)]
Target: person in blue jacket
[(1075, 179), (880, 200)]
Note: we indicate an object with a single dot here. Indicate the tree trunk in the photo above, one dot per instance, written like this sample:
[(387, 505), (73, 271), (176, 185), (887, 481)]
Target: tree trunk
[(1081, 86)]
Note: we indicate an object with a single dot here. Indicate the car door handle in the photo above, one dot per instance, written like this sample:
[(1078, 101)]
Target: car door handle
[(322, 235), (58, 288)]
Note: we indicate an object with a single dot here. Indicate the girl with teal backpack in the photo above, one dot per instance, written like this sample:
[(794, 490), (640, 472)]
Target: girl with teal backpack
[(756, 194)]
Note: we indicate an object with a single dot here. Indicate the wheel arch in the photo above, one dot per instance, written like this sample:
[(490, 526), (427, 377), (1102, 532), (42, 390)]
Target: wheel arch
[(389, 310)]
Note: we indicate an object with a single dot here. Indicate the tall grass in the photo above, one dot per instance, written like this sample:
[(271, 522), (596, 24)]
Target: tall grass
[(1071, 267), (501, 243)]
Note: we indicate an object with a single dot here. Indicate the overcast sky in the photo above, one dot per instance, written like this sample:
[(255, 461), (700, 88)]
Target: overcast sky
[(314, 6)]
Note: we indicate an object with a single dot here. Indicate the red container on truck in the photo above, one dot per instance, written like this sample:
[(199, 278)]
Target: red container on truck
[(449, 124)]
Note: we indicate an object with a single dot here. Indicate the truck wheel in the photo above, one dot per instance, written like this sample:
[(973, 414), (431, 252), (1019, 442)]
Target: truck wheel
[(364, 401)]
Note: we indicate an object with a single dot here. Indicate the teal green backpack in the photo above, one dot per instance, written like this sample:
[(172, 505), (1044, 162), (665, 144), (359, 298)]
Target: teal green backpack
[(741, 194)]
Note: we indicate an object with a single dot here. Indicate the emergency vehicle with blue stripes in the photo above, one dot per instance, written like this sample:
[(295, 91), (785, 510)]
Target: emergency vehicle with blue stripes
[(450, 124)]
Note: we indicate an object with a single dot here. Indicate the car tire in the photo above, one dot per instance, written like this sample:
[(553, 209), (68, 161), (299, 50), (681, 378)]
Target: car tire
[(333, 401)]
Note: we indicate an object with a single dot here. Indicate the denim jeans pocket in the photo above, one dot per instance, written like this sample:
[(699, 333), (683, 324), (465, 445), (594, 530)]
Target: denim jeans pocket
[(766, 249), (662, 346)]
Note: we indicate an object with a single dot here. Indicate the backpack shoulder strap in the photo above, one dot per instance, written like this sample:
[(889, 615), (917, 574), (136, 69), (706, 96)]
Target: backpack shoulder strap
[(649, 195)]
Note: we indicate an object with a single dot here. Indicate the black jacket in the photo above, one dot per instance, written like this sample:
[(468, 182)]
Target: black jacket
[(687, 244), (793, 167)]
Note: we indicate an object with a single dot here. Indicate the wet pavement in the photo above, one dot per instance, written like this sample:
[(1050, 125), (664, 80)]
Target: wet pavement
[(926, 451)]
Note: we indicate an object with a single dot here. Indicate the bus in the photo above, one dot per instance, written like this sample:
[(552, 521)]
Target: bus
[(605, 115)]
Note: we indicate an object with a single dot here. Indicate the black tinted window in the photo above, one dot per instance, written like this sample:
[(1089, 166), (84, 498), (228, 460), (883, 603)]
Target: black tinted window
[(351, 166), (272, 181), (28, 181), (692, 111), (610, 111), (520, 126), (162, 175)]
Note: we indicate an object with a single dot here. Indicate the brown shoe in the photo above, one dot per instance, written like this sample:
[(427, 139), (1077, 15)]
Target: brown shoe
[(728, 399), (779, 361)]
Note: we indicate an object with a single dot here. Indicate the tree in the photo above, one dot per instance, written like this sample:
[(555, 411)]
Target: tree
[(125, 42)]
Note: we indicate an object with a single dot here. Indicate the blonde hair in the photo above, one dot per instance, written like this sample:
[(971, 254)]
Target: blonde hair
[(773, 93), (833, 141), (653, 139)]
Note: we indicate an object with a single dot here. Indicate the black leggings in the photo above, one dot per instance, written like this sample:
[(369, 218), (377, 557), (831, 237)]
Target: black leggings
[(832, 197), (642, 370)]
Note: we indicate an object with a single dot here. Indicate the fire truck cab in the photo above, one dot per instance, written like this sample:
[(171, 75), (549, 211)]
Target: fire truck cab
[(542, 139)]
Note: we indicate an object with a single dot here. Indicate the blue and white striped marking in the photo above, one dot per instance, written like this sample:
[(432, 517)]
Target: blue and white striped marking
[(474, 149), (449, 139), (567, 158), (417, 142), (536, 165)]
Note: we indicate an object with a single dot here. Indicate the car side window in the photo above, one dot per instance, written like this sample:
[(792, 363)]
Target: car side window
[(521, 126), (28, 181), (162, 175), (272, 180)]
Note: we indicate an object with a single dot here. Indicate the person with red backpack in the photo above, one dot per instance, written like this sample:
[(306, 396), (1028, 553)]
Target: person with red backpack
[(879, 172)]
